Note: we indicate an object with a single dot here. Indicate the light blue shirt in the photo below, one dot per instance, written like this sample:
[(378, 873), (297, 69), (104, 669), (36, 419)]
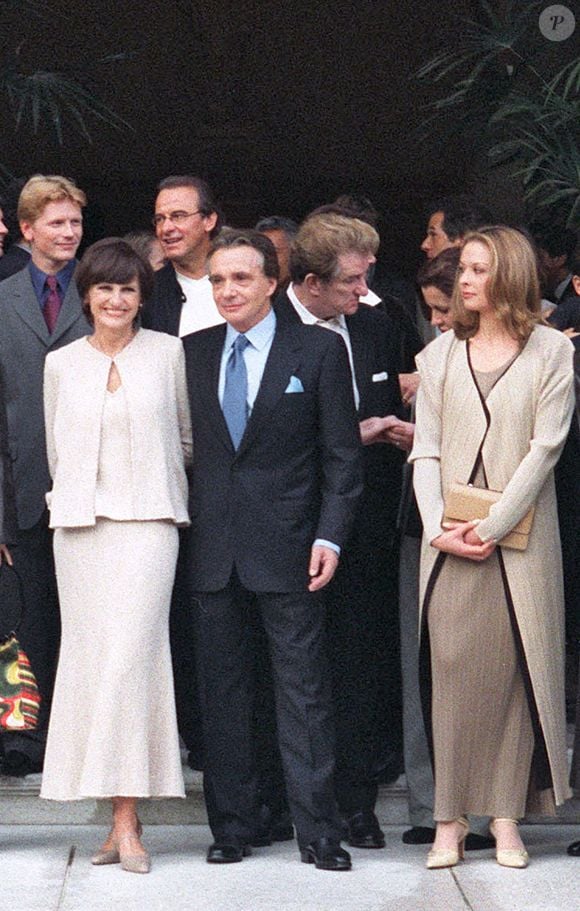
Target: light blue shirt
[(255, 356)]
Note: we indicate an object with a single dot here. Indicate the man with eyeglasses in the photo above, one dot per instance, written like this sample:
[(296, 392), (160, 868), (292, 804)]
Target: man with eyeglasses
[(186, 220)]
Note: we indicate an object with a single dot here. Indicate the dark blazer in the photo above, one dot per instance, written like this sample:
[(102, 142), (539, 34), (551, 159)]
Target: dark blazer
[(296, 475), (163, 312), (15, 259), (376, 347), (24, 344), (7, 504)]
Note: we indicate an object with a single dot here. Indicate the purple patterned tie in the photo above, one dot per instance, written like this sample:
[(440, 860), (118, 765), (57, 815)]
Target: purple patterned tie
[(53, 302)]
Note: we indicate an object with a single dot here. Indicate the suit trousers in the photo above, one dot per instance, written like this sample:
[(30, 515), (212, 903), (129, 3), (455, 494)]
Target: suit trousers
[(39, 631), (294, 623)]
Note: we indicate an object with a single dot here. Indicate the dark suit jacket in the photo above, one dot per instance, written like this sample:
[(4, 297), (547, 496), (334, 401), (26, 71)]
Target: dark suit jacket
[(24, 344), (15, 259), (7, 504), (376, 348), (296, 475), (163, 311)]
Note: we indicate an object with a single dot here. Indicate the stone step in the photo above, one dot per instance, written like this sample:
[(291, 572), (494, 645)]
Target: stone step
[(20, 805)]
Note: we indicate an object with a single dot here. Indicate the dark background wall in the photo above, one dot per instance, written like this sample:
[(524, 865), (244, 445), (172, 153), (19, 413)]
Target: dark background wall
[(282, 104)]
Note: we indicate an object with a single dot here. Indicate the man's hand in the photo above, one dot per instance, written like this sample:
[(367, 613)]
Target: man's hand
[(323, 563), (460, 540), (387, 430), (408, 383), (5, 553)]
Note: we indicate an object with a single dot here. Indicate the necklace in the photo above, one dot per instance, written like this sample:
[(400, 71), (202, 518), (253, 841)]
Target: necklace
[(106, 349)]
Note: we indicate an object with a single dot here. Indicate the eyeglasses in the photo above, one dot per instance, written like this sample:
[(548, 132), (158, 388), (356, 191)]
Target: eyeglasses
[(176, 218)]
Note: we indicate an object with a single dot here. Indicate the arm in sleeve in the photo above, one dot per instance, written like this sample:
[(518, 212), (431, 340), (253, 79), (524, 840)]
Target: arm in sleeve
[(425, 456), (183, 413), (551, 425), (50, 402)]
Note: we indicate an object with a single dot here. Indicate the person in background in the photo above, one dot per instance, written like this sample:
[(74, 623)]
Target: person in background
[(281, 231), (492, 616), (148, 246), (118, 437), (16, 250), (40, 311)]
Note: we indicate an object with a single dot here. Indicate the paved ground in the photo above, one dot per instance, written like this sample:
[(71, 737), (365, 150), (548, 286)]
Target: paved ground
[(46, 868)]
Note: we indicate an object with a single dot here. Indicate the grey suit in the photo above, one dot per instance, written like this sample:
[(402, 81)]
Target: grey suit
[(24, 344)]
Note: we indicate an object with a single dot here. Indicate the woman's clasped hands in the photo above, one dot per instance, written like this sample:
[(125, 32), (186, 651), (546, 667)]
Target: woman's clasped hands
[(461, 540)]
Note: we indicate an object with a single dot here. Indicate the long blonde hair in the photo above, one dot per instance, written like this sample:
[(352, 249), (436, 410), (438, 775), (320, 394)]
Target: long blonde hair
[(513, 288)]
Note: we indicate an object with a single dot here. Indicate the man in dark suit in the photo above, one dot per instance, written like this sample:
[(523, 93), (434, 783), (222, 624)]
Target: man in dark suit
[(329, 263), (40, 310), (186, 220), (273, 496)]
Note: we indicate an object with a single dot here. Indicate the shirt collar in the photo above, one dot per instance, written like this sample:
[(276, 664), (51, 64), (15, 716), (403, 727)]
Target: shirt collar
[(63, 277), (258, 336), (305, 314)]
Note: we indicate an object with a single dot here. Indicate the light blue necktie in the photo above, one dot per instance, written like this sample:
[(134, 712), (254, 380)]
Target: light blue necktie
[(235, 403)]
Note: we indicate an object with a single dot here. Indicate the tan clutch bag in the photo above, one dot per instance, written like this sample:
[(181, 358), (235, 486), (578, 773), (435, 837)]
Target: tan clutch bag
[(464, 502)]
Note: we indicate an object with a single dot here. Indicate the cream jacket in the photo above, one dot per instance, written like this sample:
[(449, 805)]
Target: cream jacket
[(520, 431), (152, 371)]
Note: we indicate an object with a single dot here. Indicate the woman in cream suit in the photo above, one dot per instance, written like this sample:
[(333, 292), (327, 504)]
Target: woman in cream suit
[(493, 409), (118, 438)]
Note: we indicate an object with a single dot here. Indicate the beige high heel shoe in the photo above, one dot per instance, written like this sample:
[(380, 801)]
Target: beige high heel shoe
[(111, 855), (449, 857), (133, 863), (509, 857)]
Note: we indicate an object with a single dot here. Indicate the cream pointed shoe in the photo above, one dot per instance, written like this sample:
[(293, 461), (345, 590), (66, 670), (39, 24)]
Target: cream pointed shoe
[(449, 857), (518, 858)]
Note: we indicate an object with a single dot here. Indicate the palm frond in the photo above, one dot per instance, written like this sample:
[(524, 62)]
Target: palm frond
[(53, 98)]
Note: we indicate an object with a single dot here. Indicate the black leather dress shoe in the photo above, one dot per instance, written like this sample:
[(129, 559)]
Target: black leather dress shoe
[(574, 849), (227, 852), (475, 842), (418, 835), (423, 835), (17, 764), (273, 828), (363, 831), (326, 854)]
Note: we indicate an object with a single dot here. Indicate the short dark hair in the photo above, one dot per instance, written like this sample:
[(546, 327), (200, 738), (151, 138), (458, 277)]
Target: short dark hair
[(556, 241), (112, 260), (361, 207), (246, 237), (461, 214), (440, 272), (207, 201), (277, 223)]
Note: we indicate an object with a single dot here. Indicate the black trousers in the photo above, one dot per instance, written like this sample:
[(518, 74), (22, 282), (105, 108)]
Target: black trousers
[(294, 623), (39, 631)]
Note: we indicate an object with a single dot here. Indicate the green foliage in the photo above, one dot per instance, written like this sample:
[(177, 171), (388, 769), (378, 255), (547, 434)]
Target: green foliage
[(51, 100), (498, 82)]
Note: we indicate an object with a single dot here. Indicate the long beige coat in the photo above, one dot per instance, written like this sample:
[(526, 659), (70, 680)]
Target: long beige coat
[(520, 430)]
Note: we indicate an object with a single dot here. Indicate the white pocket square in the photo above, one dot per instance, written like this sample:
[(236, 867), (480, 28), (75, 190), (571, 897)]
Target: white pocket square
[(380, 377), (294, 385)]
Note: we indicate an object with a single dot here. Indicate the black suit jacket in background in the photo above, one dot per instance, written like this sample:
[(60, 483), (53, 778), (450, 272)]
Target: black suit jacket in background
[(163, 312), (376, 347), (296, 475), (13, 261)]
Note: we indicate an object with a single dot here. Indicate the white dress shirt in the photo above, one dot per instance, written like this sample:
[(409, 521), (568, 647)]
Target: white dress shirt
[(199, 310)]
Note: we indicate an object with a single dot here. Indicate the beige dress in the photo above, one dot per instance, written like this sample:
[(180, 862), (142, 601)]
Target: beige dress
[(113, 729), (483, 741)]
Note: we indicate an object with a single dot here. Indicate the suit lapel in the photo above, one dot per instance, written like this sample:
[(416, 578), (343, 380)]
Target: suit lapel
[(281, 364), (70, 312), (208, 372), (25, 303), (361, 353)]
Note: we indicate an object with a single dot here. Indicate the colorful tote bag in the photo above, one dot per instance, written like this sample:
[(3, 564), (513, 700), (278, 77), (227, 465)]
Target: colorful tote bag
[(19, 696)]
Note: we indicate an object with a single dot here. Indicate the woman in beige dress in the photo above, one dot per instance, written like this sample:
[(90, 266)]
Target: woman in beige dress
[(493, 409), (118, 437)]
